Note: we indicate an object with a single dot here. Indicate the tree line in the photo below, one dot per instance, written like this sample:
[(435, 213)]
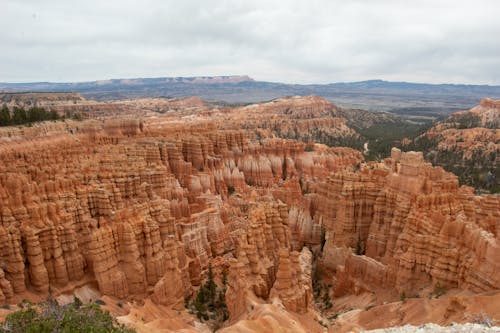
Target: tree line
[(21, 116)]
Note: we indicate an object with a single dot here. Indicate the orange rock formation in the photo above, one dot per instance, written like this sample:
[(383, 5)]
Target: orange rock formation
[(415, 226), (140, 208)]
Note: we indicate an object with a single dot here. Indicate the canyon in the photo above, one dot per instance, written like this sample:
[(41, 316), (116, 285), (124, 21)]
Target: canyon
[(137, 204), (468, 144)]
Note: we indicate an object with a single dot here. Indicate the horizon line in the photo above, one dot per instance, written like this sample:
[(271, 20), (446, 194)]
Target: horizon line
[(249, 79)]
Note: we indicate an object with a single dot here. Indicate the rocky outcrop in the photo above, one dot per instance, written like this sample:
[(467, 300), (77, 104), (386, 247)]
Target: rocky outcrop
[(109, 201), (303, 118), (170, 289), (414, 225), (237, 289), (293, 280), (468, 144), (265, 266)]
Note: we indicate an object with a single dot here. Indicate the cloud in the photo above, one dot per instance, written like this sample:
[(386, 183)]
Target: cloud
[(316, 41)]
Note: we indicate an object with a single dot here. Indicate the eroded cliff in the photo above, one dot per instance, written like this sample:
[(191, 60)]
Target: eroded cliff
[(140, 209)]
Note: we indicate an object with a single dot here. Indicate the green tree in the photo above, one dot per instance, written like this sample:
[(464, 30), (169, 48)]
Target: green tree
[(35, 114), (5, 116), (211, 288), (19, 116), (360, 250), (323, 237), (53, 115)]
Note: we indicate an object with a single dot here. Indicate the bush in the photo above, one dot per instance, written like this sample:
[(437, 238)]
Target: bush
[(402, 297), (439, 290), (360, 249), (51, 317)]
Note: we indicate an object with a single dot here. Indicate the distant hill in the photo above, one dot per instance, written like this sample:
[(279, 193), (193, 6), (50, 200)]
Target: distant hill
[(38, 98), (466, 143), (415, 99)]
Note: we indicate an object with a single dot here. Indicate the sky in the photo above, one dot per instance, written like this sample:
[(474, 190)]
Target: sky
[(313, 41)]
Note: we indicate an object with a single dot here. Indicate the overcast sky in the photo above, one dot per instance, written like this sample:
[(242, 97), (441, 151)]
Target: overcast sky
[(313, 41)]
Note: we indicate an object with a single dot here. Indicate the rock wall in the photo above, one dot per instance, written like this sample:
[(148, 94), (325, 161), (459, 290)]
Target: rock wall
[(414, 224), (132, 207)]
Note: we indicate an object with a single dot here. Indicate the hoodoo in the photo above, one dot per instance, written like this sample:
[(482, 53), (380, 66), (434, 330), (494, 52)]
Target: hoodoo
[(206, 217)]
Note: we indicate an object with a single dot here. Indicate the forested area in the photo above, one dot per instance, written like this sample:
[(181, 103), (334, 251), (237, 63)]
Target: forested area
[(21, 116)]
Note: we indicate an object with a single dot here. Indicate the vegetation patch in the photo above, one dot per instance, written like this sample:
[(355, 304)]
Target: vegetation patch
[(20, 116), (71, 318), (321, 291), (209, 304)]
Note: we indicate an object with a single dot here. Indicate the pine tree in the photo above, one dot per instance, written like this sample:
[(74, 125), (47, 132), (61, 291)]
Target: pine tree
[(323, 237), (35, 114), (359, 247), (53, 115), (5, 116), (211, 288), (19, 116)]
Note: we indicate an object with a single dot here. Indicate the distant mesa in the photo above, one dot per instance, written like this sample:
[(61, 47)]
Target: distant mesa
[(374, 95), (188, 80)]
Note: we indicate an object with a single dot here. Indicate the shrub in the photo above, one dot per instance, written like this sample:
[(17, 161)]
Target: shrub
[(51, 317), (402, 297), (359, 248), (439, 290)]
